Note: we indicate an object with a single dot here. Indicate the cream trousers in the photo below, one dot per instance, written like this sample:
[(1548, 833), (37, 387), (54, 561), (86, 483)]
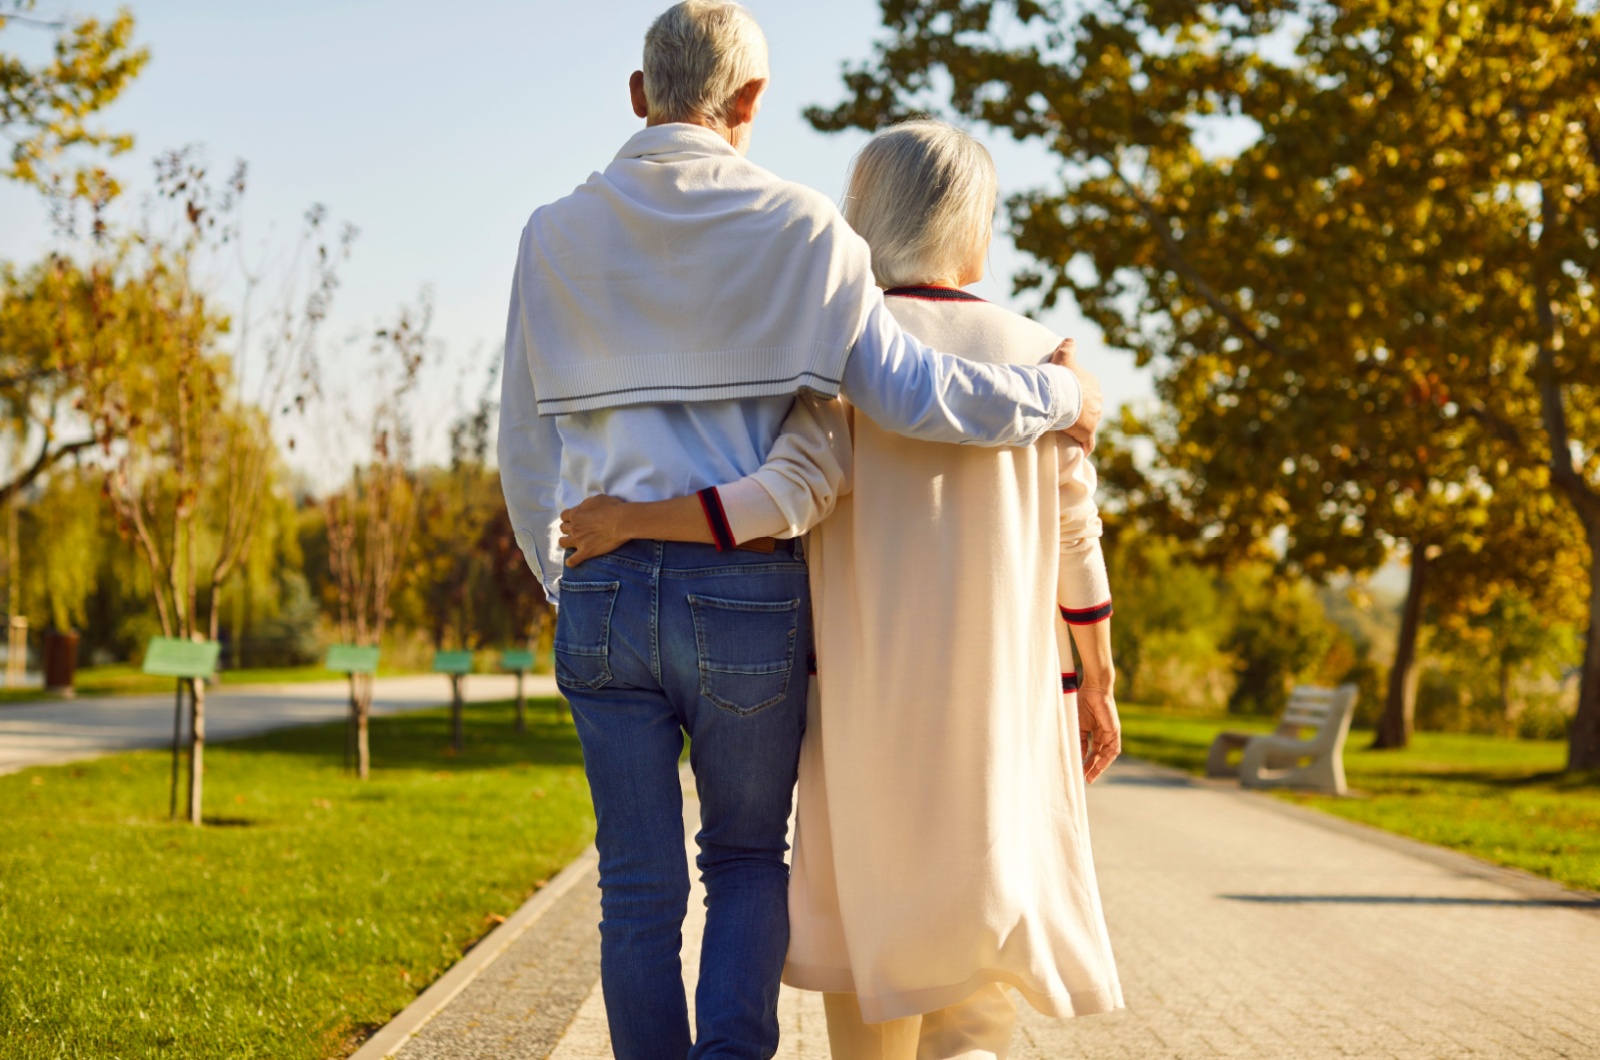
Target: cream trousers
[(978, 1028)]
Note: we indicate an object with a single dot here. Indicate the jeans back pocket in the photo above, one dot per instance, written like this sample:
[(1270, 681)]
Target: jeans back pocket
[(583, 633), (746, 650)]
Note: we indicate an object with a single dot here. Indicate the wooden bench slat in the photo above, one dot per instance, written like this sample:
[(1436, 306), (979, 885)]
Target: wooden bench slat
[(516, 659)]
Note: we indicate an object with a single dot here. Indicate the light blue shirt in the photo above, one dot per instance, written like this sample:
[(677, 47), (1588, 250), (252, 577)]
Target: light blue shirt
[(657, 452)]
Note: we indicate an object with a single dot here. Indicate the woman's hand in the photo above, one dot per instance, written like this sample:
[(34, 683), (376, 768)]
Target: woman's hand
[(1099, 731), (594, 528)]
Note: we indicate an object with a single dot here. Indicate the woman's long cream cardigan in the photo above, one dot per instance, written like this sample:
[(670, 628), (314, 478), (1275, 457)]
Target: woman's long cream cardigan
[(942, 841)]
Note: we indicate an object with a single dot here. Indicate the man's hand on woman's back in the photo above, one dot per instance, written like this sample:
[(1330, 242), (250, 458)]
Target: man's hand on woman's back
[(1083, 430)]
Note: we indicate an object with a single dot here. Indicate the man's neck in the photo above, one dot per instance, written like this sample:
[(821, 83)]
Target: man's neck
[(730, 135)]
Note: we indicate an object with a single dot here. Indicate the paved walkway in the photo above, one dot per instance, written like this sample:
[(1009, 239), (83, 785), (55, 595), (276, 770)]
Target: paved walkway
[(1243, 927), (69, 729)]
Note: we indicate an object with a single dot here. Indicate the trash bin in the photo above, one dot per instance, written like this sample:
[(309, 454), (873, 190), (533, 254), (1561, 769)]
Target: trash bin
[(60, 660)]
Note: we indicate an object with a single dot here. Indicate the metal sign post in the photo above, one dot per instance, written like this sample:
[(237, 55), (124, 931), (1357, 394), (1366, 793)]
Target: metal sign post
[(192, 661), (518, 662), (458, 664), (358, 664)]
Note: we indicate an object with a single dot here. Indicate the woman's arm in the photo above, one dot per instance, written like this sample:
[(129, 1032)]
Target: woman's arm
[(1083, 595), (797, 487)]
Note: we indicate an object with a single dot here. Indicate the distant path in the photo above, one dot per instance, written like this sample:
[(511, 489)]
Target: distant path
[(70, 729)]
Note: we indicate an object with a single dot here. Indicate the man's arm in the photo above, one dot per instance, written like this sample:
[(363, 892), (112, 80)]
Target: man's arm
[(530, 457), (796, 488), (911, 389)]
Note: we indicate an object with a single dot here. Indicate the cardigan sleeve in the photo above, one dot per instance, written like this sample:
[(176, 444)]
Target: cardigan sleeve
[(1083, 592), (805, 474)]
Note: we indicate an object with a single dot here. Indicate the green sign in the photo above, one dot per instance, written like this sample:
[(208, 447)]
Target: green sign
[(352, 659), (452, 662), (516, 660), (169, 657)]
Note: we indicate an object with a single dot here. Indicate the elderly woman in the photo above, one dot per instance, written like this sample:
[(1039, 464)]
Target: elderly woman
[(942, 846)]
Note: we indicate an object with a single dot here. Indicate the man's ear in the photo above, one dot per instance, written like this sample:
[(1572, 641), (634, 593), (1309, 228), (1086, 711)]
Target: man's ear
[(747, 103), (641, 106)]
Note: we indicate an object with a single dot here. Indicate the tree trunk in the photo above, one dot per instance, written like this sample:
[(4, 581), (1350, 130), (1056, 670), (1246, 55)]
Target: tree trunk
[(522, 707), (197, 746), (1399, 711), (352, 709), (177, 749), (1583, 751), (1505, 696), (363, 716)]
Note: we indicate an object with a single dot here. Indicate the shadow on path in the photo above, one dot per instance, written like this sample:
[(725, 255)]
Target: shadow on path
[(1411, 899), (421, 739)]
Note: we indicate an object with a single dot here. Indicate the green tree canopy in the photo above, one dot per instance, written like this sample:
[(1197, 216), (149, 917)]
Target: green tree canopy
[(1374, 316)]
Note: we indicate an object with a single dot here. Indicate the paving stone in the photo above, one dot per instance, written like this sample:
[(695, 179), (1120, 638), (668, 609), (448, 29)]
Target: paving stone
[(1245, 928), (519, 1007)]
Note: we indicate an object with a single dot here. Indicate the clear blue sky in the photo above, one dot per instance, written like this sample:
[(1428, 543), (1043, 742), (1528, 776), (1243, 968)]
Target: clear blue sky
[(437, 128)]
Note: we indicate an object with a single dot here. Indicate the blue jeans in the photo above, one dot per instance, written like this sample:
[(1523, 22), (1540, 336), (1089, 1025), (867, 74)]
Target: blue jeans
[(653, 641)]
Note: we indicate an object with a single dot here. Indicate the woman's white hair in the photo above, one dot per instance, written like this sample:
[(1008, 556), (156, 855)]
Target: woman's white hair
[(922, 194), (697, 55)]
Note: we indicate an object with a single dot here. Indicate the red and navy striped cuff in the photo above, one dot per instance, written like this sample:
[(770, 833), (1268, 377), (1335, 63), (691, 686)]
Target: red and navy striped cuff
[(1069, 682), (721, 533), (1086, 616)]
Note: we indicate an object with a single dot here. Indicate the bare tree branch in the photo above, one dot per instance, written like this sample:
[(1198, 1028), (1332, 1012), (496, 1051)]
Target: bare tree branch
[(48, 457)]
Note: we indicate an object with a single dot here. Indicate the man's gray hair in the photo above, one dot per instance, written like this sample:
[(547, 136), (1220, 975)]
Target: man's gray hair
[(697, 56), (922, 194)]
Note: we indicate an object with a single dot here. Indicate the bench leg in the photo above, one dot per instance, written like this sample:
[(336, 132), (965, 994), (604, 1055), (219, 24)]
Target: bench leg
[(1217, 758), (1326, 774)]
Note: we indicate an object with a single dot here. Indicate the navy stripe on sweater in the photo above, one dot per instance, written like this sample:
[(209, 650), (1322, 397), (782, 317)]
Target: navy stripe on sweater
[(1087, 616), (932, 294), (717, 518)]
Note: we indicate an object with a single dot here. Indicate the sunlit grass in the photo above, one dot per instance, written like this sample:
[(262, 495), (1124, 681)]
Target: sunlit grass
[(126, 679), (310, 910), (1499, 799)]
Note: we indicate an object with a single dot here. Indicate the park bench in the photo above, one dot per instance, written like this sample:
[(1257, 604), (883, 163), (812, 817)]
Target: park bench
[(1306, 750)]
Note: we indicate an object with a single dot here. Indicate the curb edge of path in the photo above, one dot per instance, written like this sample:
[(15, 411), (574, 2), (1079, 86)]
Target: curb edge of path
[(1457, 861), (392, 1036)]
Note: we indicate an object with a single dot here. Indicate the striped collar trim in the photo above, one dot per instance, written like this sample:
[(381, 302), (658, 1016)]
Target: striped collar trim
[(930, 293)]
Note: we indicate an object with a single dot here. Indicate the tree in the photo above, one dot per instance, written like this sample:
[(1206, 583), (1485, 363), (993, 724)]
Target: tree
[(45, 109), (370, 521), (38, 375), (64, 530), (189, 457), (1352, 297)]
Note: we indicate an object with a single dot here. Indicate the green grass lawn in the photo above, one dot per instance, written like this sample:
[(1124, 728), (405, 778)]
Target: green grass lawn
[(1499, 799), (312, 908)]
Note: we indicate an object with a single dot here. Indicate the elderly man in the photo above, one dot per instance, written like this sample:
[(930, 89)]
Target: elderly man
[(664, 318)]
